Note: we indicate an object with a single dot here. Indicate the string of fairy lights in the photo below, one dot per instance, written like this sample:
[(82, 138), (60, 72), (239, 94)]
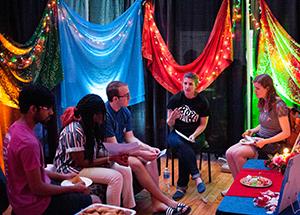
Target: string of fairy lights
[(167, 61), (236, 16), (114, 36), (22, 57), (19, 57)]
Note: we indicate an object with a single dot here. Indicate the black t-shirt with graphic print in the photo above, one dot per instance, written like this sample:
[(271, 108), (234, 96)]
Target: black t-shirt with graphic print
[(191, 111)]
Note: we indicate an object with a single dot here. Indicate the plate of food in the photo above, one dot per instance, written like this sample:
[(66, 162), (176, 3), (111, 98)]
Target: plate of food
[(102, 209), (76, 180), (247, 140), (256, 181)]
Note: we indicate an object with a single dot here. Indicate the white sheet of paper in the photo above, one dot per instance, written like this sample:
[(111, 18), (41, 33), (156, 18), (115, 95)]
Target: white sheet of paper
[(182, 135), (116, 148), (162, 153), (158, 156), (290, 184)]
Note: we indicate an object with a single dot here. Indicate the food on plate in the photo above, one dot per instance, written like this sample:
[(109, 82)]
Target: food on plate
[(104, 210), (255, 181), (76, 180)]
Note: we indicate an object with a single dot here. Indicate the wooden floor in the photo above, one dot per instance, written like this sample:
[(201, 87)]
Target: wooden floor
[(220, 181)]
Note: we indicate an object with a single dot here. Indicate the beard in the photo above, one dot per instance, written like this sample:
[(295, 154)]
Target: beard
[(40, 119)]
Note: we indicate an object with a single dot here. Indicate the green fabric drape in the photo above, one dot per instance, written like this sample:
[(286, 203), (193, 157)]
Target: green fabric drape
[(38, 60)]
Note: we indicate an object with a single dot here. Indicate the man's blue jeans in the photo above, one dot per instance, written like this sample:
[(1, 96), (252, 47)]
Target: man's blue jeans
[(186, 157)]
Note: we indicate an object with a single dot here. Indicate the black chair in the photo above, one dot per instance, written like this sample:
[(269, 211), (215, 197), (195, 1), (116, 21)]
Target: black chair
[(204, 149)]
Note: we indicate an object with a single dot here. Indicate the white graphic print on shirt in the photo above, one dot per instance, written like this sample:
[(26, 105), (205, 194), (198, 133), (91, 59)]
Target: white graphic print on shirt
[(188, 115)]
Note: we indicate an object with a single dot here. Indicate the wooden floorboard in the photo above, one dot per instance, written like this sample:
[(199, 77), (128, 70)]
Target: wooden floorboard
[(220, 181)]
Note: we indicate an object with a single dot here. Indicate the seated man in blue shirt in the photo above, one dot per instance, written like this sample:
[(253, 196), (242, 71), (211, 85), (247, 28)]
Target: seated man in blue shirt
[(119, 130)]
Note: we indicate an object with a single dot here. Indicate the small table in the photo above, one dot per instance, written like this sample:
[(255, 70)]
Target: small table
[(244, 205)]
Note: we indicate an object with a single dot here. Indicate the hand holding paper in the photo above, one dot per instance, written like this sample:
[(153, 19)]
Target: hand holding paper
[(121, 159), (182, 135), (159, 155)]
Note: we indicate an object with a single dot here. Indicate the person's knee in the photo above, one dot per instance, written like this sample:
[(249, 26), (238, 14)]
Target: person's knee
[(174, 140), (117, 178), (95, 199), (228, 154), (135, 164)]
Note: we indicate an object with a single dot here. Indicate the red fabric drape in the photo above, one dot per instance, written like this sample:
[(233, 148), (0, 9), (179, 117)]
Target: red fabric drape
[(216, 56)]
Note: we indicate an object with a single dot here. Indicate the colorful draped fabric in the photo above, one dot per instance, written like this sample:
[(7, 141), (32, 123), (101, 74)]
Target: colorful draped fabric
[(216, 56), (94, 55), (38, 60), (279, 56)]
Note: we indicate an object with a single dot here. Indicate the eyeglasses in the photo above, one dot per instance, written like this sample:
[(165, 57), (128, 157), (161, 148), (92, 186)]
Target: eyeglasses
[(126, 95), (45, 107)]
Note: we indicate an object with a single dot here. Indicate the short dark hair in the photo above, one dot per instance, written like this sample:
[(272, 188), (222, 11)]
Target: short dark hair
[(35, 94), (112, 89), (192, 76)]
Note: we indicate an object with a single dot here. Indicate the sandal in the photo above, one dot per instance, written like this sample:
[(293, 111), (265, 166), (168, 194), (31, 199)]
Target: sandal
[(201, 187), (169, 211), (178, 194), (181, 206)]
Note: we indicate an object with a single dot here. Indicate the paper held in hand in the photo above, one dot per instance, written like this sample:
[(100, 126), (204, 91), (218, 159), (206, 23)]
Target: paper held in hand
[(126, 148), (247, 140), (182, 135)]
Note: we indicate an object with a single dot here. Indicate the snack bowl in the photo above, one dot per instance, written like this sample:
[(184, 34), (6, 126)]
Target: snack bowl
[(102, 209)]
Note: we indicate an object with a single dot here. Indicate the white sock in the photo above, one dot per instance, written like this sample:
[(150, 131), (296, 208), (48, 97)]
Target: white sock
[(224, 192)]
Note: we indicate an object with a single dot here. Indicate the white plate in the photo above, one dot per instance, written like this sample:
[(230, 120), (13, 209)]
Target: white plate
[(129, 211), (248, 140), (252, 181), (87, 182)]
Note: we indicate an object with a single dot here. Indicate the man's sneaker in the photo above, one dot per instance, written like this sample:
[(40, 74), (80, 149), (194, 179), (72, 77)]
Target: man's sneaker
[(221, 161), (225, 168), (224, 192)]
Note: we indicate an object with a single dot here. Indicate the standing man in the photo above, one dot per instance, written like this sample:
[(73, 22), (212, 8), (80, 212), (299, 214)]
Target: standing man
[(28, 184), (119, 130)]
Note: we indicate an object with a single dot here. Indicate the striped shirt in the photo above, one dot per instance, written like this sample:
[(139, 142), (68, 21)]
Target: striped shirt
[(71, 139)]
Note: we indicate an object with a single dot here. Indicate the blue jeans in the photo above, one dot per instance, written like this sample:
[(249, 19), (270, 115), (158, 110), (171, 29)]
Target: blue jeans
[(186, 158)]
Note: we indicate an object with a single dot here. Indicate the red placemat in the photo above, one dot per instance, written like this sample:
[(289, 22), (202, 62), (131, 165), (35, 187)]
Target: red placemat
[(237, 189)]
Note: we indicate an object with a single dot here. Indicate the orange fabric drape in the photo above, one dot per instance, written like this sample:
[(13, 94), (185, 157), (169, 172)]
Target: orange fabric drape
[(216, 56), (8, 116)]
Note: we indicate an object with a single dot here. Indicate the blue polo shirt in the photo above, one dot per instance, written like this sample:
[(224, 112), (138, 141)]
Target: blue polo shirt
[(117, 123)]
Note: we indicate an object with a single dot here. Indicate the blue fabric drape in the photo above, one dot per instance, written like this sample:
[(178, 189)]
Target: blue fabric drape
[(94, 55)]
